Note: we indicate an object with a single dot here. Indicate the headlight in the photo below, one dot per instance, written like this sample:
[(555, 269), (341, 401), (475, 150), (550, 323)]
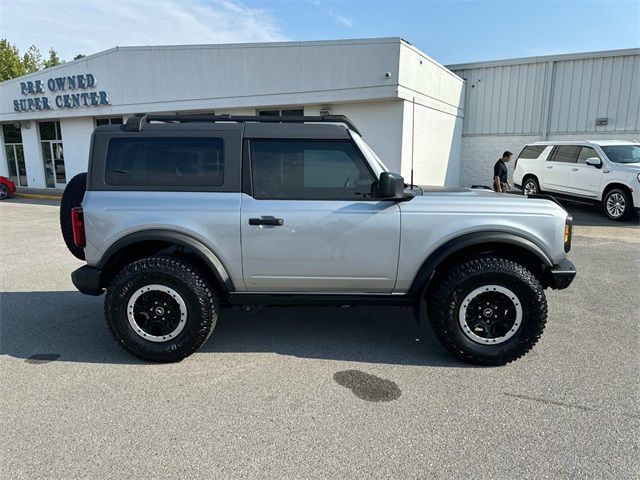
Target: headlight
[(639, 177)]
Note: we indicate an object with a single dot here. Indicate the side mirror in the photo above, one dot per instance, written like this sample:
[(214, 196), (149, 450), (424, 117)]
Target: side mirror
[(594, 162), (389, 186)]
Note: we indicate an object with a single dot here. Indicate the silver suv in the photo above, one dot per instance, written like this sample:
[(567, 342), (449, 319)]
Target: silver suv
[(181, 216)]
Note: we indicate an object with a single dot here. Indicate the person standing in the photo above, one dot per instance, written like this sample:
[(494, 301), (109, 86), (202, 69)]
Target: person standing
[(500, 173)]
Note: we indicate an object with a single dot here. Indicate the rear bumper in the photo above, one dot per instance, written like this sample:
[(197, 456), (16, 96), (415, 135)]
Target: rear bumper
[(87, 280), (560, 276)]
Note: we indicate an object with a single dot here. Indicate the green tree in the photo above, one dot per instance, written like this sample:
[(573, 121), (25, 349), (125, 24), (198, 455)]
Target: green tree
[(11, 65), (53, 59), (32, 60)]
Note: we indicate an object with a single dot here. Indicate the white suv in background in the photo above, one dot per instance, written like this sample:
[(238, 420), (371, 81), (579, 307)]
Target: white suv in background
[(603, 171)]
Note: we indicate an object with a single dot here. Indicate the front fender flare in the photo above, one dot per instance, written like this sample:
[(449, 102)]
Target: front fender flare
[(429, 266)]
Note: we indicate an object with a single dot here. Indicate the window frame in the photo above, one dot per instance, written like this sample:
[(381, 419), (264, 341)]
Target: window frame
[(247, 182)]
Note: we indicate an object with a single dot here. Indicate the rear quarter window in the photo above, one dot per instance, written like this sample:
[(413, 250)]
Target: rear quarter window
[(165, 162), (532, 151)]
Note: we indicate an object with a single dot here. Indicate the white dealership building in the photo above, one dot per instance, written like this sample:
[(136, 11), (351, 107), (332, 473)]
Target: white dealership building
[(451, 123), (47, 117)]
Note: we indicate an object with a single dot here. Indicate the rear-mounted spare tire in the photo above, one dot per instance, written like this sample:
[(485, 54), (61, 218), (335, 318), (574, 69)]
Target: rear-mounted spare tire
[(71, 198)]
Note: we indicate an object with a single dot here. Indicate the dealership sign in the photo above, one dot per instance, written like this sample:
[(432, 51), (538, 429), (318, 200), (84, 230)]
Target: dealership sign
[(67, 92)]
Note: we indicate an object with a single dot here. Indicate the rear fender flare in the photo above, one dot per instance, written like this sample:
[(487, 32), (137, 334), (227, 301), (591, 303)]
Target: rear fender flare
[(177, 238)]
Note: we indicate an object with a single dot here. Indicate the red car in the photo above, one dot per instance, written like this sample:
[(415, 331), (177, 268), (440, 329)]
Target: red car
[(7, 187)]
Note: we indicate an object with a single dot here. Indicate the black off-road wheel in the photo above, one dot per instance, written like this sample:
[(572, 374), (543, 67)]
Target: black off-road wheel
[(161, 308), (618, 204), (487, 311), (71, 198)]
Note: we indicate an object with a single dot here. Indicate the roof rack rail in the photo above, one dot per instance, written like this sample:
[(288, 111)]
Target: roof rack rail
[(139, 120)]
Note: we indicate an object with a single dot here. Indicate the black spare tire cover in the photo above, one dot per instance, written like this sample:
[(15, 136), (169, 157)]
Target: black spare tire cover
[(71, 198)]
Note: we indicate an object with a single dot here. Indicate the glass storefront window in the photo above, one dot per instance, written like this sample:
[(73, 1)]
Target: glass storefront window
[(22, 167), (15, 154), (52, 154), (50, 131), (109, 121)]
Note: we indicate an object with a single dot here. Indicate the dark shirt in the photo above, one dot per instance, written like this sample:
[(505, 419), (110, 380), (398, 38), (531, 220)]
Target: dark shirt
[(500, 170)]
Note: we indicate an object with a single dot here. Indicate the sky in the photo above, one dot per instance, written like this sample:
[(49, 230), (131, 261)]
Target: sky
[(454, 31)]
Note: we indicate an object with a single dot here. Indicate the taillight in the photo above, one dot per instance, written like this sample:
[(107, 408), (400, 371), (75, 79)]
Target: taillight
[(77, 222)]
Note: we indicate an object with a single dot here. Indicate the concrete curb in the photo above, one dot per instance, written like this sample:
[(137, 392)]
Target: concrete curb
[(56, 198)]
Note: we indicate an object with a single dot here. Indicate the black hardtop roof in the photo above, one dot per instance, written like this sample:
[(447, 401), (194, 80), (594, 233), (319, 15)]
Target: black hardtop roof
[(253, 124)]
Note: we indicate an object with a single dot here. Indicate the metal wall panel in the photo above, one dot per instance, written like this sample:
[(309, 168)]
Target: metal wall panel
[(564, 94)]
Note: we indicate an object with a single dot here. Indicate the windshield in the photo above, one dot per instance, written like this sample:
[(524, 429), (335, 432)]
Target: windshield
[(623, 153)]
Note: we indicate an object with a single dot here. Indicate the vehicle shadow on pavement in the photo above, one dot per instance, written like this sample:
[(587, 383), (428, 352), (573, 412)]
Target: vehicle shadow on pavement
[(388, 335), (71, 325), (593, 216)]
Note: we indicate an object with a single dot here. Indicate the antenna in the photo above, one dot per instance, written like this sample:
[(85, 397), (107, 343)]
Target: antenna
[(413, 123)]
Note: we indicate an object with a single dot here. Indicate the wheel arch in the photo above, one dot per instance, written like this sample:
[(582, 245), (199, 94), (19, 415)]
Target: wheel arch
[(613, 185), (141, 244), (527, 176), (509, 245)]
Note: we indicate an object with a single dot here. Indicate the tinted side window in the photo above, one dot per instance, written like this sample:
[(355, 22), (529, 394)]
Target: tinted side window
[(532, 151), (165, 162), (587, 152), (565, 154), (309, 170)]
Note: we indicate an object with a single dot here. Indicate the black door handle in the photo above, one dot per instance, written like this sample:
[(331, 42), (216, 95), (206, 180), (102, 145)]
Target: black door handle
[(271, 221)]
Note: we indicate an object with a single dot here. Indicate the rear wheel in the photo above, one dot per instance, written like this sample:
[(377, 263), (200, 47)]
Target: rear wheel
[(617, 204), (4, 191), (161, 308), (487, 311), (530, 186)]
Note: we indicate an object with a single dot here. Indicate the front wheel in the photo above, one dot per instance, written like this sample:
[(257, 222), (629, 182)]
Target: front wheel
[(161, 308), (617, 204), (4, 191), (487, 311)]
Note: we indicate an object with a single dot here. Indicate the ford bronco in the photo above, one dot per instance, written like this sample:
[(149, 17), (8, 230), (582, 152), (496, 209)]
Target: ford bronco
[(182, 215)]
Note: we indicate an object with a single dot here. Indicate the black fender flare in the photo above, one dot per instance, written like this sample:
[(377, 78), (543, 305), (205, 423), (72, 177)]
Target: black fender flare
[(429, 266), (177, 238)]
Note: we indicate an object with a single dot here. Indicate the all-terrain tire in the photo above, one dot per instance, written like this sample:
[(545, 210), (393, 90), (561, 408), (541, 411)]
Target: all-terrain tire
[(618, 204), (179, 276), (445, 305), (71, 198)]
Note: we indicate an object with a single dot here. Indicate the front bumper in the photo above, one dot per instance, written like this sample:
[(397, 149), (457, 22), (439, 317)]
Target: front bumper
[(87, 280), (560, 276)]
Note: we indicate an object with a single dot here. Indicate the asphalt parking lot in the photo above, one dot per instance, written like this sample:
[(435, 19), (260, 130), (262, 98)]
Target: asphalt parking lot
[(315, 393)]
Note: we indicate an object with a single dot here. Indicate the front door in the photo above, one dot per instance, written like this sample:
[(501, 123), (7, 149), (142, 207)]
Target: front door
[(53, 157), (584, 180), (555, 176), (309, 224)]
